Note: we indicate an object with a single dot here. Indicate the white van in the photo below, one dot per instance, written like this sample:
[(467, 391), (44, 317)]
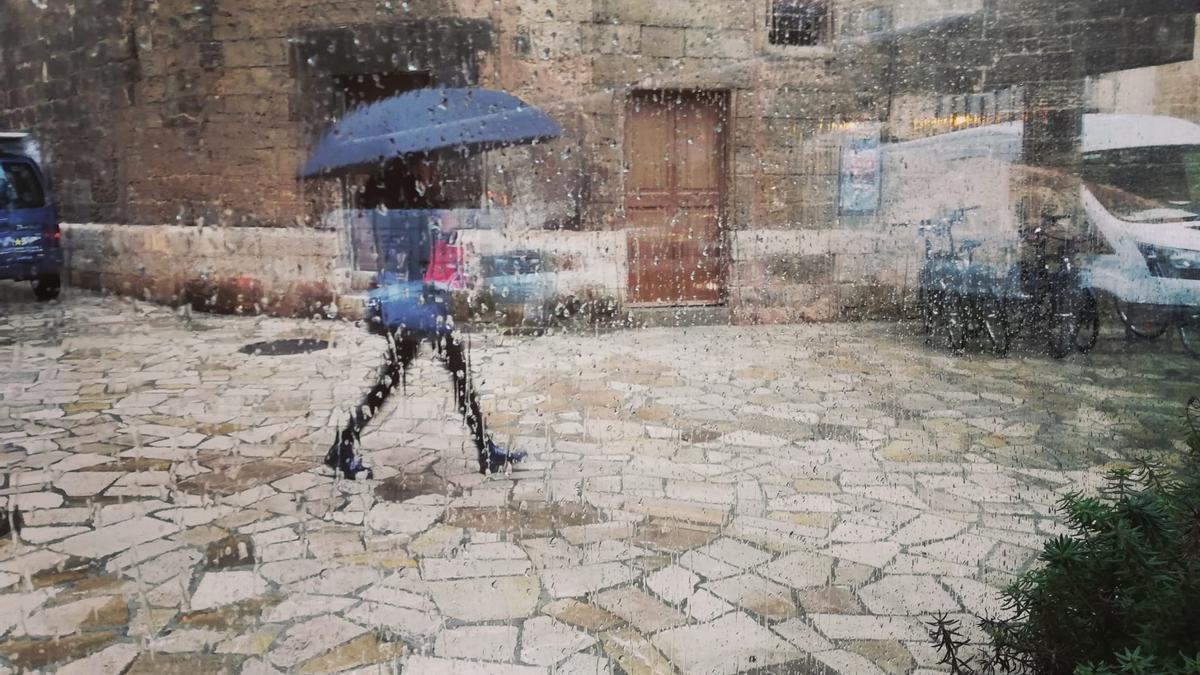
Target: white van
[(1138, 193), (1141, 192)]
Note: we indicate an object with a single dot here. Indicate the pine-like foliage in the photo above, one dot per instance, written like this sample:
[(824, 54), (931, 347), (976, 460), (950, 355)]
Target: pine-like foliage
[(1119, 594)]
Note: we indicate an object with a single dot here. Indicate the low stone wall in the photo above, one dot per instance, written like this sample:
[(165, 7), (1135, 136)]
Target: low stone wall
[(775, 276), (276, 271), (593, 262), (784, 276)]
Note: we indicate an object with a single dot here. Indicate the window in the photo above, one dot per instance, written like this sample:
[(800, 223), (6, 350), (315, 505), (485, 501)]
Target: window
[(1151, 184), (798, 23), (865, 21), (876, 20), (19, 187)]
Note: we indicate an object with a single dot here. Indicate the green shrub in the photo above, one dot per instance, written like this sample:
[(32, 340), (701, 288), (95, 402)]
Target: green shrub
[(1119, 594)]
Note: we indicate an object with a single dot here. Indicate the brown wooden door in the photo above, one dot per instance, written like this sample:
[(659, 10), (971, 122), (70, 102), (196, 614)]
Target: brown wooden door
[(675, 156)]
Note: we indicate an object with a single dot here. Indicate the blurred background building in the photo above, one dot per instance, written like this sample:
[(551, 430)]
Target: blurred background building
[(705, 154)]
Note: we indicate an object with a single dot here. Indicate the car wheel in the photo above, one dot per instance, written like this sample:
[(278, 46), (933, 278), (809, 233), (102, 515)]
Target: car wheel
[(1144, 321), (1189, 330), (47, 286)]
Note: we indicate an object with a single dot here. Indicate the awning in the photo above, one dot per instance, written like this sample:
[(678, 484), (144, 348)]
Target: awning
[(426, 120)]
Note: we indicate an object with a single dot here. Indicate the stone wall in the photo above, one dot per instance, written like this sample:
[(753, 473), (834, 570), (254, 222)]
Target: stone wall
[(277, 271), (219, 105), (198, 113), (67, 77), (1172, 90)]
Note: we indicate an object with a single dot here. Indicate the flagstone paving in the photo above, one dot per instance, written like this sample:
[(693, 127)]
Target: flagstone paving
[(701, 500)]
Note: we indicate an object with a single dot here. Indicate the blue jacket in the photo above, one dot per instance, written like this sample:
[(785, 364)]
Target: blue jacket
[(414, 306)]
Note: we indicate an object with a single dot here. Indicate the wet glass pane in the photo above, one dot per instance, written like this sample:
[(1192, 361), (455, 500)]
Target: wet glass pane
[(599, 336)]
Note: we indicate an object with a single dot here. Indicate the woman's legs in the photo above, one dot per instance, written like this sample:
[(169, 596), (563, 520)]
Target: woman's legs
[(464, 395), (402, 349)]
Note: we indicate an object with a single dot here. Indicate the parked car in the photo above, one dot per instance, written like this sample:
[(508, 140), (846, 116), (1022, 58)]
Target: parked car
[(517, 277), (30, 238)]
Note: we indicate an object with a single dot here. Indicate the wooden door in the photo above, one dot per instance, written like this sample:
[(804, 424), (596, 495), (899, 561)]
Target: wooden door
[(675, 157)]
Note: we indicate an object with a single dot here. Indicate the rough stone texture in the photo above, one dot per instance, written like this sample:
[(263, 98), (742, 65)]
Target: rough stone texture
[(733, 642), (486, 643), (311, 638), (108, 661), (756, 594), (486, 599), (200, 115), (280, 272), (639, 609), (223, 588), (673, 584), (899, 594), (91, 377), (545, 641)]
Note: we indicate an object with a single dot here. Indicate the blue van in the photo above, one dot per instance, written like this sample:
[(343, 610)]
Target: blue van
[(30, 239)]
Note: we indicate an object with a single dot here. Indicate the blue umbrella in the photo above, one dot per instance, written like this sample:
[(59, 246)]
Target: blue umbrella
[(425, 120)]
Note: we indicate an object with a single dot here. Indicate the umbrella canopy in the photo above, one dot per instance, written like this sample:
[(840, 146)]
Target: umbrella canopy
[(425, 120)]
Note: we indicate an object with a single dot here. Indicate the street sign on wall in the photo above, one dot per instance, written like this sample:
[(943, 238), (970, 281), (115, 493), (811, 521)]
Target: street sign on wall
[(859, 170)]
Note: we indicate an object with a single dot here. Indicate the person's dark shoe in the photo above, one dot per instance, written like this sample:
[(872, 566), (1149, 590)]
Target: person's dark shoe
[(353, 467), (341, 458), (498, 457), (11, 522)]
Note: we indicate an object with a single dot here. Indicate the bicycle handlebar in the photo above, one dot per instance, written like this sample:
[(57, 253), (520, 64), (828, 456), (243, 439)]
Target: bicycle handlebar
[(943, 222)]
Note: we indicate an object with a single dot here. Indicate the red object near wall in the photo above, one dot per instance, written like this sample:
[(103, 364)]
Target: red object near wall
[(445, 265)]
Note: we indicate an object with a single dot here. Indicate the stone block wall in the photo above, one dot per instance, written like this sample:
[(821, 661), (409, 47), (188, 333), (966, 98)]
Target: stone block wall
[(198, 112), (218, 105), (67, 79), (280, 271), (1172, 89)]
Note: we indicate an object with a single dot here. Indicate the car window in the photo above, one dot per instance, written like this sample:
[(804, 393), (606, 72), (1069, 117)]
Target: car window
[(20, 186)]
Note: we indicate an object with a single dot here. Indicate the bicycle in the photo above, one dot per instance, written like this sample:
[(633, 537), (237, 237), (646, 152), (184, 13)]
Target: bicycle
[(1048, 298), (960, 298), (953, 292), (1150, 322)]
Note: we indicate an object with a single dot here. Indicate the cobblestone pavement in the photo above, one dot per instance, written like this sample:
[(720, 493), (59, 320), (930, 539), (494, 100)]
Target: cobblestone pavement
[(781, 499)]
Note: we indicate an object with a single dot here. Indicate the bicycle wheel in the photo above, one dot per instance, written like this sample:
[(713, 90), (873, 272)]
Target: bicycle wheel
[(925, 306), (1065, 322), (1144, 321), (948, 327), (995, 326), (1089, 322), (1189, 330)]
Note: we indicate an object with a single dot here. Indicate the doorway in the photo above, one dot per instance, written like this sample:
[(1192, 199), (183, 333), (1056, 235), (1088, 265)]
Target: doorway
[(674, 196)]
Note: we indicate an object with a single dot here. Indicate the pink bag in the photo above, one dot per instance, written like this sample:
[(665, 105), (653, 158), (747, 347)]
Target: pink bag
[(445, 265)]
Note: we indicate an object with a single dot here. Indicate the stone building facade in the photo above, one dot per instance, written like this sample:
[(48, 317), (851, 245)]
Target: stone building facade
[(176, 127)]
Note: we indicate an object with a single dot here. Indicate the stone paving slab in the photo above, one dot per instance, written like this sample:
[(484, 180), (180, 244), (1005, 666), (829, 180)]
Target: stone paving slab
[(701, 500)]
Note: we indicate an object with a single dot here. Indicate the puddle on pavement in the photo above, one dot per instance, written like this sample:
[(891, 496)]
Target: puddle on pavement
[(699, 435), (232, 478), (406, 486), (287, 347)]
